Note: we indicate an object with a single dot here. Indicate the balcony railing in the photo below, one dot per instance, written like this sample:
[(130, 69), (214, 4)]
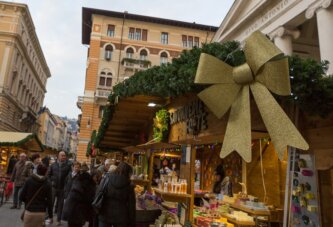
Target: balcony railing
[(102, 93), (132, 63), (79, 102)]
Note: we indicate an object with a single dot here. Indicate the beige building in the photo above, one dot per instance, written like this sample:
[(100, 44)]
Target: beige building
[(297, 27), (23, 69), (121, 44), (303, 28)]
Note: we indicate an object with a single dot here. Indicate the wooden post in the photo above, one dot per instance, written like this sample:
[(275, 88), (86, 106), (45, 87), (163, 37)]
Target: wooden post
[(150, 169), (190, 188)]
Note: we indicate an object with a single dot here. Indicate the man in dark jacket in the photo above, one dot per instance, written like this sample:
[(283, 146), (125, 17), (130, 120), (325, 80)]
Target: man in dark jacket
[(18, 179), (118, 207), (57, 175)]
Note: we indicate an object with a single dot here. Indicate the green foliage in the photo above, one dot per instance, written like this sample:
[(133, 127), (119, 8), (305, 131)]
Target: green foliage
[(22, 142), (161, 125), (312, 91)]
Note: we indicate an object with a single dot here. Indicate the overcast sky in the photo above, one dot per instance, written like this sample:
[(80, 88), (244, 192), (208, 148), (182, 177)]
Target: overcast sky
[(58, 26)]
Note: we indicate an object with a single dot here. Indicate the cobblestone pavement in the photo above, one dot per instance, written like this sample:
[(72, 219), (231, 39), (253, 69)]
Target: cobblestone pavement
[(11, 217)]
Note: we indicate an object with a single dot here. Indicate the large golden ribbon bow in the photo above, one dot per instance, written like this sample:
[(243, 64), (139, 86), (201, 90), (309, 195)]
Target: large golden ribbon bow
[(265, 68)]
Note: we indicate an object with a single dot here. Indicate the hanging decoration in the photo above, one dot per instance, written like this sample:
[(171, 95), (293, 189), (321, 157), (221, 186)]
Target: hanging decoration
[(265, 68), (161, 125)]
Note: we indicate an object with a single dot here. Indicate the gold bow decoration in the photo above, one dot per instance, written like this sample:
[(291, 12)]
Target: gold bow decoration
[(265, 68)]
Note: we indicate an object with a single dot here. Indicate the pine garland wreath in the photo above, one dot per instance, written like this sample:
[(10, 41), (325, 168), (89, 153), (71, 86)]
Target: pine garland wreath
[(312, 90)]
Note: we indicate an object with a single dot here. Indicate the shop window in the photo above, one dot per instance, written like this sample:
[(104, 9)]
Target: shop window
[(164, 38), (131, 33), (108, 52), (143, 55), (129, 52), (110, 31), (164, 58)]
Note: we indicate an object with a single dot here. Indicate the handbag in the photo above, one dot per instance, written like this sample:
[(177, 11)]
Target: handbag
[(28, 204), (99, 197)]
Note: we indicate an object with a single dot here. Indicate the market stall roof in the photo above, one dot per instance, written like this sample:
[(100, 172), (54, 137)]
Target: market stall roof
[(28, 141), (130, 117), (133, 149)]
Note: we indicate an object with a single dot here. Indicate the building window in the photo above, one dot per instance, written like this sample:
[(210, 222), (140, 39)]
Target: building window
[(105, 79), (129, 52), (143, 55), (196, 41), (164, 58), (108, 52), (137, 35), (164, 38), (131, 33), (144, 34), (190, 41), (187, 41), (184, 40), (110, 31), (101, 111)]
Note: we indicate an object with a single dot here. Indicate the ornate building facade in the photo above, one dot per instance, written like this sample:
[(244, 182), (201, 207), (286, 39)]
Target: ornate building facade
[(23, 69), (121, 44)]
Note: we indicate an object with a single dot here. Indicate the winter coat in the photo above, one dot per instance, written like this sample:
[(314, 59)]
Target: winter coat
[(119, 201), (58, 173), (42, 200), (77, 207), (68, 183), (17, 176)]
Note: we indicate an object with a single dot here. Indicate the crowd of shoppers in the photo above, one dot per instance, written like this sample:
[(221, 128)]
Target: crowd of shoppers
[(68, 190)]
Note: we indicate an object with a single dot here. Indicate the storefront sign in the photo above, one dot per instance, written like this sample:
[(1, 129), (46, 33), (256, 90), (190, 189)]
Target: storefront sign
[(193, 114)]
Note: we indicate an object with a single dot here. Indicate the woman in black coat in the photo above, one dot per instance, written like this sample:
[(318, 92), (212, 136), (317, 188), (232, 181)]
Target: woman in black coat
[(118, 209), (37, 196), (77, 207)]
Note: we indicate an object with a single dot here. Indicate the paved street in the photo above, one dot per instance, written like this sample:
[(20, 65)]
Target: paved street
[(11, 218)]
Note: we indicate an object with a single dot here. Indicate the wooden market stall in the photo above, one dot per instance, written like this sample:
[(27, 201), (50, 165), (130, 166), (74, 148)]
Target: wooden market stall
[(13, 143)]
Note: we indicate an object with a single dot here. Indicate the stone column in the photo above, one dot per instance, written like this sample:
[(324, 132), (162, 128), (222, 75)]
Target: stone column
[(324, 12), (325, 35), (283, 39)]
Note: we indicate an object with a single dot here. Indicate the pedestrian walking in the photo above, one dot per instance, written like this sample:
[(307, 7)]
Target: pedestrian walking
[(58, 172), (118, 206), (77, 207), (70, 178), (103, 169), (31, 166), (37, 197), (18, 179)]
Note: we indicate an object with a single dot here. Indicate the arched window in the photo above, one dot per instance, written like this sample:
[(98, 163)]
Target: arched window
[(108, 52), (105, 79), (129, 52), (164, 58), (143, 55)]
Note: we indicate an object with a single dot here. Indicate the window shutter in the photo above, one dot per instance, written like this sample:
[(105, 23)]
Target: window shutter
[(144, 34), (131, 30), (190, 38), (108, 82), (184, 38), (196, 39), (102, 81)]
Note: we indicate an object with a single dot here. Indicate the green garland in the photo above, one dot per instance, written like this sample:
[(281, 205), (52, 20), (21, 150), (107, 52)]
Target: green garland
[(23, 141), (161, 125), (311, 90), (89, 147)]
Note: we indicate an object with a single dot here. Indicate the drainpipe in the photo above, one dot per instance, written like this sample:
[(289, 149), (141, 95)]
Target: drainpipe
[(121, 45)]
